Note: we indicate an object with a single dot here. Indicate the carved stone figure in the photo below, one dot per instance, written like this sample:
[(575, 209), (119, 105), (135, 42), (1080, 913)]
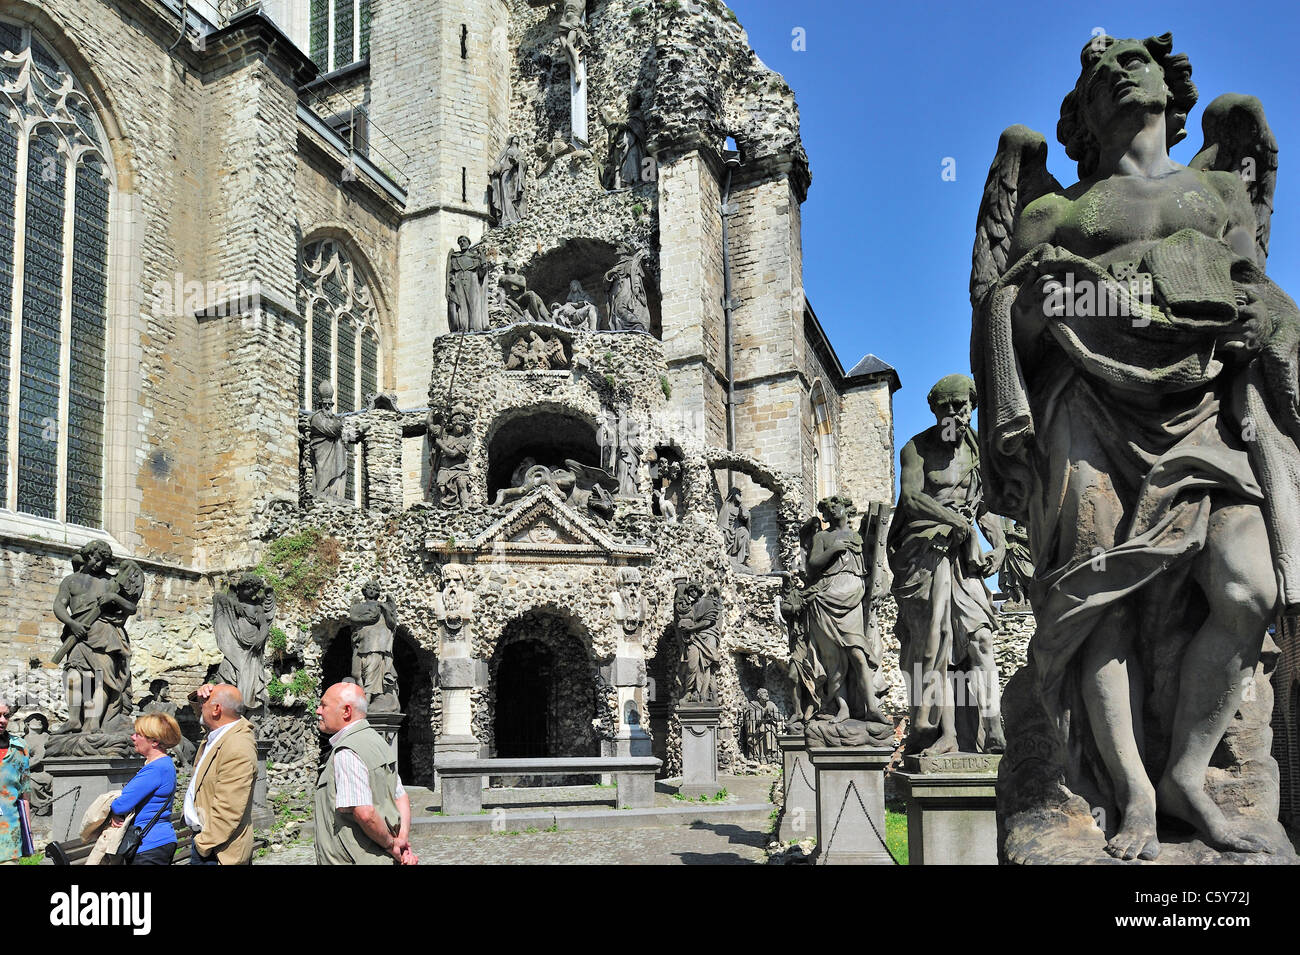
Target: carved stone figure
[(525, 304), (40, 794), (93, 606), (666, 484), (159, 700), (573, 38), (241, 622), (621, 446), (697, 616), (578, 311), (629, 602), (629, 308), (733, 520), (1138, 372), (627, 153), (326, 439), (507, 178), (452, 445), (945, 611), (532, 352), (1017, 566), (761, 722), (374, 626), (806, 673), (467, 272), (845, 669), (557, 149), (453, 602)]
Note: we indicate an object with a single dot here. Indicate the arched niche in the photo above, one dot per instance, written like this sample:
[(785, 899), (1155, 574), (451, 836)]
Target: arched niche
[(415, 667), (543, 690), (586, 260), (548, 436)]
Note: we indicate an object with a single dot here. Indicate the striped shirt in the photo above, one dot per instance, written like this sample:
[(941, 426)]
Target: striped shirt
[(351, 780)]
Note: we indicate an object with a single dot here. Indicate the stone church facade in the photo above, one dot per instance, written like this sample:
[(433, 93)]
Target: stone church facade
[(208, 209)]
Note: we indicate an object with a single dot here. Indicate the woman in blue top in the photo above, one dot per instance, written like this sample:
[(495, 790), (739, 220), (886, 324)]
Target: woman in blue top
[(152, 789)]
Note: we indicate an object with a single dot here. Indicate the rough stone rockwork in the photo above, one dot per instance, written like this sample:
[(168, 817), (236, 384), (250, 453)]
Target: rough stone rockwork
[(233, 153)]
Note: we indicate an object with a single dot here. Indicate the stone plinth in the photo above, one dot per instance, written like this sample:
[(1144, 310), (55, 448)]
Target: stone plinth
[(850, 804), (454, 746), (799, 779), (699, 749), (387, 725), (951, 809), (262, 815), (78, 781)]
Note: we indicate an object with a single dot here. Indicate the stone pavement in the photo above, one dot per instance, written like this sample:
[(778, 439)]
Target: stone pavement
[(700, 843)]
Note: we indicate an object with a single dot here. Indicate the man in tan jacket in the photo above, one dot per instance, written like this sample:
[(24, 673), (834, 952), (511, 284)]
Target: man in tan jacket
[(219, 801)]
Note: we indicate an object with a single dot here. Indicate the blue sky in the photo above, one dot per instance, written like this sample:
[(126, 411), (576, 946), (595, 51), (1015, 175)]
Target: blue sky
[(887, 91)]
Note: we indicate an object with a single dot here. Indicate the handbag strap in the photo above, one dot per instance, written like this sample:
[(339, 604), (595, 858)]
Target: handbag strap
[(155, 815)]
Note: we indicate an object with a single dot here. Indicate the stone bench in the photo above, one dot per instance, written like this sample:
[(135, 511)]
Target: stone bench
[(76, 852), (462, 779)]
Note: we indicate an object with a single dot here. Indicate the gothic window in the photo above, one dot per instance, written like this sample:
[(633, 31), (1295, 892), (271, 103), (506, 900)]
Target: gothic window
[(339, 33), (340, 342), (824, 451), (55, 184)]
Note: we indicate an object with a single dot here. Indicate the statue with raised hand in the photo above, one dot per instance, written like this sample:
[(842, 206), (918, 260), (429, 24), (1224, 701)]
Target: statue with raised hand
[(1138, 372)]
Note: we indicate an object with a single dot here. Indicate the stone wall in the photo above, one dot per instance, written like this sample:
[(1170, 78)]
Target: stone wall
[(30, 573), (866, 443)]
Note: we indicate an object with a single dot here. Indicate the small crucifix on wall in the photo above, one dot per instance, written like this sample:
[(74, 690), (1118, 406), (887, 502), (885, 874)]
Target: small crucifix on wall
[(573, 37)]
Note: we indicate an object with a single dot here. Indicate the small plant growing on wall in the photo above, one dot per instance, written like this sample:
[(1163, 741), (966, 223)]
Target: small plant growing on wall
[(289, 690), (299, 565)]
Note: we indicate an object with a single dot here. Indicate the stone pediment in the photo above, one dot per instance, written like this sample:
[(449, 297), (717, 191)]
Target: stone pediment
[(541, 527)]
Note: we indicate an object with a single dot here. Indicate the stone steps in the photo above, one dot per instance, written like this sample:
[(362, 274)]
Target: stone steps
[(752, 816)]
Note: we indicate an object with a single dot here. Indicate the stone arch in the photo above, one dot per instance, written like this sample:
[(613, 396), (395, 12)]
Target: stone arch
[(548, 432), (586, 259), (545, 695), (417, 668), (784, 501)]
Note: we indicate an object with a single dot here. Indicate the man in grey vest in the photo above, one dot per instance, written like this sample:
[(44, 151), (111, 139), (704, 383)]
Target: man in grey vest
[(363, 815)]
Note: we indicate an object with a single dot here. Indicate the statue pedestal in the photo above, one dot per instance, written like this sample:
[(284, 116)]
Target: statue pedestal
[(387, 725), (799, 784), (467, 747), (699, 750), (262, 815), (850, 804), (951, 809), (78, 781)]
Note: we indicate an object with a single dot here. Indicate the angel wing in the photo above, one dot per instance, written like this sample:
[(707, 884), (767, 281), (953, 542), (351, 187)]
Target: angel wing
[(589, 476), (1017, 177), (1238, 139)]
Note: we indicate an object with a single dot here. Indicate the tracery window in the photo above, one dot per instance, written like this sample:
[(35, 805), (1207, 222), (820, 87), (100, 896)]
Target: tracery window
[(339, 33), (55, 188), (824, 450), (340, 341)]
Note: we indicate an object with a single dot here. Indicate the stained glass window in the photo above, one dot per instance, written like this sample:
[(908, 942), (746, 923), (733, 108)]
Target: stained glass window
[(339, 34), (342, 327), (320, 34), (55, 189)]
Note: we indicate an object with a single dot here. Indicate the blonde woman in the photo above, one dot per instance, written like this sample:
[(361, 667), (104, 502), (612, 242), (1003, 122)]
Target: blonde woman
[(150, 792)]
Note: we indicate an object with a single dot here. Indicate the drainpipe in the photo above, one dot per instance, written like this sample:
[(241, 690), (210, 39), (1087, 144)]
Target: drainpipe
[(732, 160)]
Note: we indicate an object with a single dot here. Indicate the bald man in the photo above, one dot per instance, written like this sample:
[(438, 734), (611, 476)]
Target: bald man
[(363, 816), (219, 800)]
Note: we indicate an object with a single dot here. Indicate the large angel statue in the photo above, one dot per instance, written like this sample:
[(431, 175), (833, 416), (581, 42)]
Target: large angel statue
[(1139, 379)]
